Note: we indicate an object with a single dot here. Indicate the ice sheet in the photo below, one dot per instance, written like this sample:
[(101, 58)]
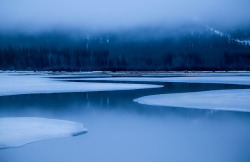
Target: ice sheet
[(30, 84), (18, 131), (231, 100)]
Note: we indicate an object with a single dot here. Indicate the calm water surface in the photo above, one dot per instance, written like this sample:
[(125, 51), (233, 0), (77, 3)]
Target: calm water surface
[(121, 130)]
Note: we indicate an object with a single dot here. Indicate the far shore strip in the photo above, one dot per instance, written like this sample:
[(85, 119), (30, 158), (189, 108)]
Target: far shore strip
[(239, 80)]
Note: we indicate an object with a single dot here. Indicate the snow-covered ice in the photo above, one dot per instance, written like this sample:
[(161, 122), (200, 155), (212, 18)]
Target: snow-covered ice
[(30, 84), (18, 131), (241, 80), (231, 100)]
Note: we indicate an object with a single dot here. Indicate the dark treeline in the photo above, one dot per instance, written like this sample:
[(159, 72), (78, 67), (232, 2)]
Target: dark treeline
[(86, 60), (197, 51)]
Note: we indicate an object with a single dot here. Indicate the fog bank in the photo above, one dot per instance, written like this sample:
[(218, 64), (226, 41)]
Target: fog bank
[(113, 14)]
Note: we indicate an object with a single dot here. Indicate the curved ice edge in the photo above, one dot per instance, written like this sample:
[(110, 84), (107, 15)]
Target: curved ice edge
[(73, 135), (223, 100), (20, 131), (91, 89), (39, 85), (80, 133)]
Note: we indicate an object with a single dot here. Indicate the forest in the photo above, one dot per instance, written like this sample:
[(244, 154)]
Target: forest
[(123, 52)]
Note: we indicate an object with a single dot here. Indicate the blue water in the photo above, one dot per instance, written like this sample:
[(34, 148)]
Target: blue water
[(121, 130)]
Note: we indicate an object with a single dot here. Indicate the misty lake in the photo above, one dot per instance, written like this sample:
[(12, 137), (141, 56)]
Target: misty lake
[(124, 81), (122, 130)]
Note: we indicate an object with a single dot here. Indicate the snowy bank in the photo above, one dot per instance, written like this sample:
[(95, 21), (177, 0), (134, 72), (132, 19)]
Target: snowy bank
[(18, 131), (231, 100), (241, 80), (30, 84)]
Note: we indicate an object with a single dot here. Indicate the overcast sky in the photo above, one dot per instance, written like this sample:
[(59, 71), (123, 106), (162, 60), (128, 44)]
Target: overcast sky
[(44, 14)]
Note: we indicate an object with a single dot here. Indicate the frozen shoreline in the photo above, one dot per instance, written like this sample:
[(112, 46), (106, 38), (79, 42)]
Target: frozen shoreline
[(127, 73), (19, 131), (230, 100), (33, 84)]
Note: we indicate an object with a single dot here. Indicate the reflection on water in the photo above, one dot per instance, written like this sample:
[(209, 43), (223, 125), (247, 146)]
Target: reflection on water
[(121, 130)]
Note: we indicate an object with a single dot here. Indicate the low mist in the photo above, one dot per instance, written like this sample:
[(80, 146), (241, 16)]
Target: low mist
[(35, 15)]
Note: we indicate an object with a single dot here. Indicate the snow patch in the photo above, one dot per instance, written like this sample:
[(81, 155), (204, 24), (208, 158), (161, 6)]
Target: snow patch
[(245, 42), (217, 32), (230, 100), (18, 131), (31, 84)]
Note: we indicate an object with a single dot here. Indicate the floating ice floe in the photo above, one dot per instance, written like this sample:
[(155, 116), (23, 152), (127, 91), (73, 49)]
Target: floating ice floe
[(18, 131), (231, 100), (241, 80), (30, 84)]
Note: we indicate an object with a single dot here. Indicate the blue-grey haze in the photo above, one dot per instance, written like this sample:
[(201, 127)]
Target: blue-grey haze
[(36, 15)]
